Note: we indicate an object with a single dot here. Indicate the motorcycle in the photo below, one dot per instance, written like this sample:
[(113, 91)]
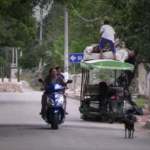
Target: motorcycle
[(54, 110)]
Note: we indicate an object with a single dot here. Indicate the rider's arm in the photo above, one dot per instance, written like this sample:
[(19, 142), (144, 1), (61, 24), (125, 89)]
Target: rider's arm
[(64, 83), (128, 51), (102, 30), (43, 86), (115, 36), (117, 42), (44, 83)]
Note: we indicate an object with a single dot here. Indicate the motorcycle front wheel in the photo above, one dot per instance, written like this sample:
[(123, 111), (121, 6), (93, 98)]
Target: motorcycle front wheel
[(54, 124)]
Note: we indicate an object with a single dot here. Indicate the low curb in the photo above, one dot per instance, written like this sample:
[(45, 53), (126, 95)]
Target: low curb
[(147, 125)]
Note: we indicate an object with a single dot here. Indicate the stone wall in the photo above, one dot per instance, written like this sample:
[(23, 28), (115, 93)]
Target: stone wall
[(11, 87)]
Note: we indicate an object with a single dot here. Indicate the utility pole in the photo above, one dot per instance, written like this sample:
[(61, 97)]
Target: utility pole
[(13, 63), (21, 56), (16, 57), (13, 55), (66, 42), (41, 25), (41, 33)]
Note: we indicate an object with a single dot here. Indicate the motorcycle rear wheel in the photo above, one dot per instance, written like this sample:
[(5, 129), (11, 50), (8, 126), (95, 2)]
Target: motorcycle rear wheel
[(54, 124)]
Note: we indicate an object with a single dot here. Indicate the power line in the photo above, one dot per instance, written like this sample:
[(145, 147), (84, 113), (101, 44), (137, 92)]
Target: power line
[(107, 11)]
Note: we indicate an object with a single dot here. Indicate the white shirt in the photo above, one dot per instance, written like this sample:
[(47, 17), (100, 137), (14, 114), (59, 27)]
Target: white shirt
[(108, 32)]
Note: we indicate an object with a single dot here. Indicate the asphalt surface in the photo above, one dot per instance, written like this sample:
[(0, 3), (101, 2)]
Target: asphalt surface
[(22, 128)]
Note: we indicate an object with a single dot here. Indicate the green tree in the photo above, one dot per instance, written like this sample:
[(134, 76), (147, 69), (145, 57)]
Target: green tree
[(81, 33), (18, 28), (132, 25), (3, 62)]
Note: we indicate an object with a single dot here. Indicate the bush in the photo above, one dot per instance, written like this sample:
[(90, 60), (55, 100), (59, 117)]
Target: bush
[(3, 62)]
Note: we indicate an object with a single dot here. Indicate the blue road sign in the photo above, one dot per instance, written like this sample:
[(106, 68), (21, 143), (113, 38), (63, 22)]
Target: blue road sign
[(75, 57)]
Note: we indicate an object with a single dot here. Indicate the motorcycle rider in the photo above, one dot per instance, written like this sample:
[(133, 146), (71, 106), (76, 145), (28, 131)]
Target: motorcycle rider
[(52, 78)]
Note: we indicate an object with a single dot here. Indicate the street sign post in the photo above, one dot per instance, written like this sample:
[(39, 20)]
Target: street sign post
[(75, 58)]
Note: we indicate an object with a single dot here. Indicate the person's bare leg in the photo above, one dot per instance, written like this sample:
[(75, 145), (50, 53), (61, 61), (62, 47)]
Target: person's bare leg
[(112, 46), (114, 56), (101, 54)]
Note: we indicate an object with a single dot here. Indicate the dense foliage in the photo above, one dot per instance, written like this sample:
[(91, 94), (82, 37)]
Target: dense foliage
[(18, 28), (131, 21)]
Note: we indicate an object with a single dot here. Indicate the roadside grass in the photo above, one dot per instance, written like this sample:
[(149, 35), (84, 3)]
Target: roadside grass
[(26, 79), (36, 88), (141, 102), (31, 83)]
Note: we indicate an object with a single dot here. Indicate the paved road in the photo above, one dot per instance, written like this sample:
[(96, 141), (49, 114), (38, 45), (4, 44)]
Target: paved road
[(21, 128)]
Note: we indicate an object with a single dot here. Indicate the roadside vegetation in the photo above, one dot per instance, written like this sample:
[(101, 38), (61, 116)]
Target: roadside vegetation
[(18, 28), (141, 102)]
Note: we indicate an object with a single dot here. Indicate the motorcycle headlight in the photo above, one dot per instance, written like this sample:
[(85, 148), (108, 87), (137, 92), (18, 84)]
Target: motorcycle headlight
[(60, 100), (50, 101)]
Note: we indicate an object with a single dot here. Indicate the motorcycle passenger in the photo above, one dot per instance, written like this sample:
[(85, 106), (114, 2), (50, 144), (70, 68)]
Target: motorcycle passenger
[(58, 69), (52, 78)]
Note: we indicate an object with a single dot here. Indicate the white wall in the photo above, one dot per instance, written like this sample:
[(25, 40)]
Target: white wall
[(77, 81), (143, 81)]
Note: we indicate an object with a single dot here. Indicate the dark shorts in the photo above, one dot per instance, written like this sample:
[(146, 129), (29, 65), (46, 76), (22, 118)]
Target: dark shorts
[(104, 41)]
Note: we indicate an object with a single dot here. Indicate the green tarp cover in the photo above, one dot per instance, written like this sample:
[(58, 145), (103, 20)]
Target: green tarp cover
[(106, 64)]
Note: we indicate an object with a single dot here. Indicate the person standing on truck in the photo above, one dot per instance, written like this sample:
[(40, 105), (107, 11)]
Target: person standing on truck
[(108, 36)]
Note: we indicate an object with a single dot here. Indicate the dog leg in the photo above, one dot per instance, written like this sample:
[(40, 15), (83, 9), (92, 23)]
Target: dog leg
[(125, 133), (129, 133), (132, 134)]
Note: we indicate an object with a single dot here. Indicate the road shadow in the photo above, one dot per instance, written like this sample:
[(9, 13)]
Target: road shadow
[(27, 126)]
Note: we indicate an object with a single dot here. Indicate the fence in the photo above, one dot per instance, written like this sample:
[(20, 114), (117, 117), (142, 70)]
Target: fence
[(10, 73)]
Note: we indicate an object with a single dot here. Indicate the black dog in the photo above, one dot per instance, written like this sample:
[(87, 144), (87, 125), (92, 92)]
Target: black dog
[(129, 127)]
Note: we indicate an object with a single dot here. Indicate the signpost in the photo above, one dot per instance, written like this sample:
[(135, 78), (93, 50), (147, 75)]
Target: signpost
[(149, 91), (75, 58)]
